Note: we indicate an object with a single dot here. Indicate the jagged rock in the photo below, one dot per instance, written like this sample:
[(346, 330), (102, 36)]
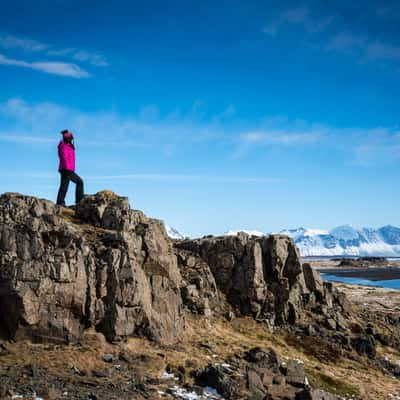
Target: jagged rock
[(391, 367), (313, 280), (108, 267), (198, 287), (330, 323), (217, 378), (257, 374), (263, 359), (364, 344), (295, 374), (383, 339), (261, 277)]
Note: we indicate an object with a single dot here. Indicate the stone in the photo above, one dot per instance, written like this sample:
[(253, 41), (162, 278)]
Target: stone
[(263, 359), (217, 378), (330, 323), (108, 358), (365, 345), (382, 338), (255, 384), (230, 316), (313, 280), (295, 374), (108, 267)]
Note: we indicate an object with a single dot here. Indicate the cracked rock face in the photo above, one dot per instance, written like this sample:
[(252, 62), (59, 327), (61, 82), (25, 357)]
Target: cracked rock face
[(262, 277), (108, 267)]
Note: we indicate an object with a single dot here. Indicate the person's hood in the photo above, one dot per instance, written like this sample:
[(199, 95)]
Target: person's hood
[(68, 135)]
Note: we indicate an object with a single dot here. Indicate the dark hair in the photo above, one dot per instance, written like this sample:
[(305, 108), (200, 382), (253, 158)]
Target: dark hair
[(64, 131)]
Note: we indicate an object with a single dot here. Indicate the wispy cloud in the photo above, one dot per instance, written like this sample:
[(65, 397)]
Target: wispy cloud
[(301, 16), (147, 130), (365, 47), (185, 177), (284, 138), (380, 144), (13, 42), (361, 45), (49, 67), (10, 42), (150, 177), (92, 58), (143, 129), (25, 139)]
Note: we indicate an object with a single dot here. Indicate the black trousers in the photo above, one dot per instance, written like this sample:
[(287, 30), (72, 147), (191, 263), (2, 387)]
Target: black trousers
[(66, 177)]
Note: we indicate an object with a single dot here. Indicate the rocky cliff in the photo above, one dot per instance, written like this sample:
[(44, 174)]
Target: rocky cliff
[(260, 277), (108, 267)]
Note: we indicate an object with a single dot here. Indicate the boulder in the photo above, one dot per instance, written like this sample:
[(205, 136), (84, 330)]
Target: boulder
[(107, 267), (217, 377)]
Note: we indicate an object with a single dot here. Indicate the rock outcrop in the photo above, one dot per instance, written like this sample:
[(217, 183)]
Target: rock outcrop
[(260, 375), (260, 276), (108, 267)]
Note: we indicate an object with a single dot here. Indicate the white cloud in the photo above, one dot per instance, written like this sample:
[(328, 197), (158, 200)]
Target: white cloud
[(15, 138), (144, 129), (363, 46), (174, 133), (150, 177), (282, 138), (346, 41), (301, 16), (185, 177), (378, 50), (50, 67), (13, 42), (366, 47), (93, 58)]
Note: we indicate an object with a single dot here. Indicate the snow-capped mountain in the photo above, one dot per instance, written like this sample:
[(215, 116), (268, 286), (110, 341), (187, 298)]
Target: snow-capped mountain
[(173, 233), (347, 241)]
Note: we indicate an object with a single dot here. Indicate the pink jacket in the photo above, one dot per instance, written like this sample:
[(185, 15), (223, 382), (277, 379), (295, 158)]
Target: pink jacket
[(66, 154)]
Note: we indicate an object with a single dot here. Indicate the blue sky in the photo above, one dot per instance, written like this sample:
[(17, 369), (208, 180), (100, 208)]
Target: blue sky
[(210, 115)]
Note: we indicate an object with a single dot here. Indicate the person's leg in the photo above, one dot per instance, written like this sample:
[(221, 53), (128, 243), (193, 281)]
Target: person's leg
[(63, 188), (79, 186)]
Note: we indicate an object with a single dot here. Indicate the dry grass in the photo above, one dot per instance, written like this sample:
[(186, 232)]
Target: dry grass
[(108, 194), (208, 342)]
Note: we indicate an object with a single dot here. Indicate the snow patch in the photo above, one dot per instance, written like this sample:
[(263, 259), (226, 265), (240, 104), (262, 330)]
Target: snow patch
[(208, 394), (173, 233)]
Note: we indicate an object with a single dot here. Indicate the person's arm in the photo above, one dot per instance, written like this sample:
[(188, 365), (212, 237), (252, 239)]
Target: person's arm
[(62, 154)]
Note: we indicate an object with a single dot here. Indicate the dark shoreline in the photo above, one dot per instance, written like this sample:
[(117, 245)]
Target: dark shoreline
[(371, 274)]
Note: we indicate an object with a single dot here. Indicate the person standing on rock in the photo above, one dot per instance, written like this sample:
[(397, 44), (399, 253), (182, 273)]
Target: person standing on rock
[(66, 154)]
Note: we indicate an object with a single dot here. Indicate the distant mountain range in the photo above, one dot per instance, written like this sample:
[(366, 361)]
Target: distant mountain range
[(347, 241), (341, 241)]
